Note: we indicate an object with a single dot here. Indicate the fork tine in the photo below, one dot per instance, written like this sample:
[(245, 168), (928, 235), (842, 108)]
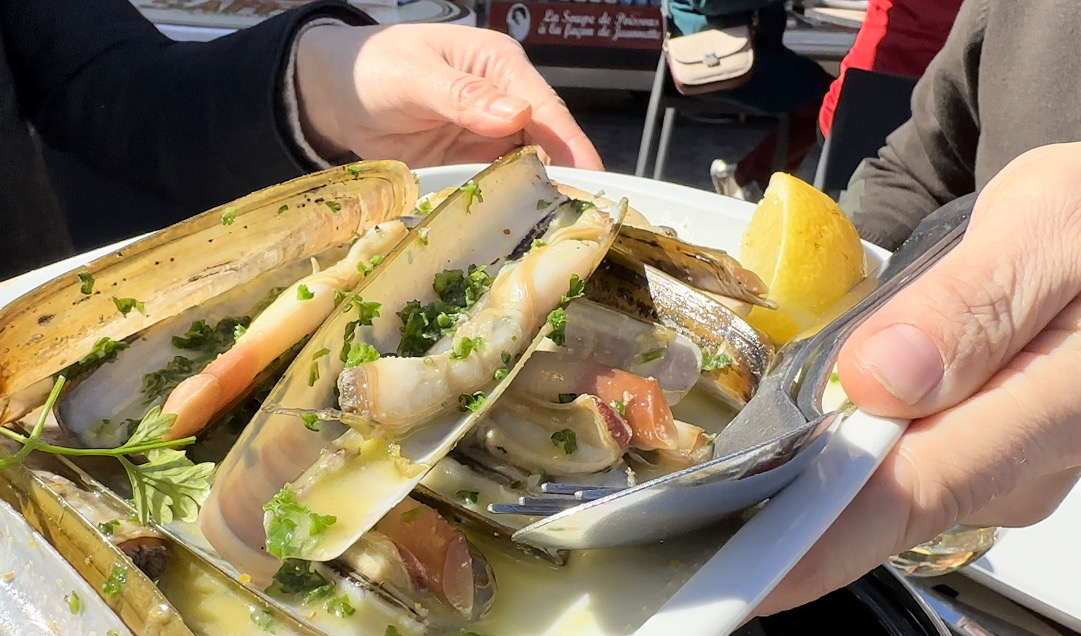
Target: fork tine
[(537, 510), (556, 488)]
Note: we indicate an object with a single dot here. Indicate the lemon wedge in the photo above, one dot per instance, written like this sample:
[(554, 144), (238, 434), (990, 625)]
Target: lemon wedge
[(805, 249)]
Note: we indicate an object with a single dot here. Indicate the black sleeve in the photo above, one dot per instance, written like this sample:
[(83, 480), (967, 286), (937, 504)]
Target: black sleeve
[(187, 121)]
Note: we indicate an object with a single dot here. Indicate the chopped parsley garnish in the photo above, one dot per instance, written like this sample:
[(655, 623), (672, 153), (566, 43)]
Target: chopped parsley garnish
[(567, 398), (161, 383), (711, 362), (422, 235), (650, 356), (582, 206), (285, 531), (354, 169), (238, 331), (319, 354), (125, 305), (424, 325), (471, 402), (368, 311), (472, 190), (88, 282), (205, 342), (104, 351), (620, 407), (229, 217), (558, 320), (424, 208), (303, 293), (334, 206), (283, 208), (834, 378), (468, 496), (117, 578), (75, 604), (311, 421), (464, 346), (339, 607), (361, 353), (577, 289), (313, 373), (391, 631), (462, 289), (367, 268), (411, 515), (264, 620), (539, 243), (107, 528), (297, 578), (502, 372), (567, 439)]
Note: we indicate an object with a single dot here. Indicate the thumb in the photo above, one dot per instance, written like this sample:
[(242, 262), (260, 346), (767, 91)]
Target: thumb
[(475, 104), (940, 339)]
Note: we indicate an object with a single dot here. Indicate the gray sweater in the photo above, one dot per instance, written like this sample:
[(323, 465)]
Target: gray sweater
[(1006, 81)]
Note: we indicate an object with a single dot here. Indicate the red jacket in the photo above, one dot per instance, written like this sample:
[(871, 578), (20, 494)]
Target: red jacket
[(899, 37)]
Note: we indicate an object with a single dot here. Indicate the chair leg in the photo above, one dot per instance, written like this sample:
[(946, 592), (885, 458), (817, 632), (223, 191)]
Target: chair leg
[(652, 111), (662, 145), (780, 150), (823, 166)]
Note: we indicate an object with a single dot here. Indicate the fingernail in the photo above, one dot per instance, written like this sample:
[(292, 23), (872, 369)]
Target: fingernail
[(506, 107), (904, 361)]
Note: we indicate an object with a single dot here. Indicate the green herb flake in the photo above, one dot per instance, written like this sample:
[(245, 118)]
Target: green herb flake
[(354, 169), (238, 331), (313, 373), (620, 407), (428, 361), (650, 356), (567, 439), (87, 282), (303, 293), (334, 206), (464, 346), (117, 578), (264, 620), (577, 289), (472, 190), (558, 320), (229, 217), (411, 515), (471, 402), (711, 362), (539, 243), (125, 305), (391, 631), (284, 535), (501, 374), (567, 398), (468, 496), (283, 208), (422, 235), (75, 604), (319, 354), (311, 421), (109, 527), (296, 577), (424, 208), (582, 206), (339, 607), (368, 311), (360, 353), (834, 378), (104, 351)]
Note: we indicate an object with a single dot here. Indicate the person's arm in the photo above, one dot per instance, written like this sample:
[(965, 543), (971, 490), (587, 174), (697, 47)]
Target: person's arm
[(195, 122), (930, 160)]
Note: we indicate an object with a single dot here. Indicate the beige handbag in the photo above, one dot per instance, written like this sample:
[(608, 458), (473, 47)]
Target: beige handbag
[(713, 60)]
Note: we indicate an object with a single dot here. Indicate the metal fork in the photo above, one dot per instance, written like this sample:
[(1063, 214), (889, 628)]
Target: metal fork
[(764, 447)]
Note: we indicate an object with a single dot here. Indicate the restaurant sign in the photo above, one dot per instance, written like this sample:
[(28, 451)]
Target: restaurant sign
[(579, 24)]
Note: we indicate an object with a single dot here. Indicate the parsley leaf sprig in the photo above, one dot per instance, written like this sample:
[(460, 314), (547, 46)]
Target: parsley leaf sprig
[(168, 486)]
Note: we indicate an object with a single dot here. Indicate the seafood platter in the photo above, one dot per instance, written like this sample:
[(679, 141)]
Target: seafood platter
[(334, 406)]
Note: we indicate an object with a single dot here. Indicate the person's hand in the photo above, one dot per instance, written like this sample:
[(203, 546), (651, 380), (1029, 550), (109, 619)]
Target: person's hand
[(429, 95), (984, 354)]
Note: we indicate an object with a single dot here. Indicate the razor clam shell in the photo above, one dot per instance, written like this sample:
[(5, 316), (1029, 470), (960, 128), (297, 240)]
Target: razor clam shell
[(276, 448), (703, 268), (519, 430), (189, 263), (595, 332), (649, 294), (112, 391)]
